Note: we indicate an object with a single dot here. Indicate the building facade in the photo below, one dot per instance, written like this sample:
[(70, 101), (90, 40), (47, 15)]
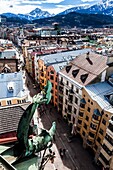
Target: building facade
[(81, 71), (106, 153)]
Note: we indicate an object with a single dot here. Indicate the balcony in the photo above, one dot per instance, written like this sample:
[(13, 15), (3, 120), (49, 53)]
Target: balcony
[(95, 121), (92, 129), (80, 115), (103, 163), (89, 143), (82, 104), (96, 116), (79, 124), (106, 155), (103, 160), (107, 143), (91, 136)]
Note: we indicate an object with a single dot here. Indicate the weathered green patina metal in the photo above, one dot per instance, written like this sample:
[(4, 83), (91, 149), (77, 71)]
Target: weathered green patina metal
[(26, 146), (37, 143), (42, 141)]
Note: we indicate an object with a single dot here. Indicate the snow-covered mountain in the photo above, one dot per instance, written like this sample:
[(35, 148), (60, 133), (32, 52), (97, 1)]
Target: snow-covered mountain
[(35, 14), (103, 7)]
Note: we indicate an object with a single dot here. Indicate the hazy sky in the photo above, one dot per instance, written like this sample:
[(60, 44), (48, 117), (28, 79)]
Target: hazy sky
[(52, 6)]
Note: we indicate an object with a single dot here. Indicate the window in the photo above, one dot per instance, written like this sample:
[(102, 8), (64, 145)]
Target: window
[(109, 139), (87, 118), (101, 131), (52, 77), (56, 79), (65, 110), (67, 83), (0, 103), (66, 92), (96, 147), (9, 102), (91, 134), (110, 127), (83, 133), (70, 97), (95, 117), (52, 72), (72, 86), (61, 99), (73, 120), (78, 128), (104, 159), (76, 100), (75, 111), (42, 74), (48, 73), (69, 108), (66, 101), (23, 101), (93, 126), (98, 139), (82, 105), (104, 121), (88, 100), (77, 90), (85, 126), (81, 114), (88, 109), (107, 149), (69, 117), (79, 121), (18, 101), (91, 103), (89, 142)]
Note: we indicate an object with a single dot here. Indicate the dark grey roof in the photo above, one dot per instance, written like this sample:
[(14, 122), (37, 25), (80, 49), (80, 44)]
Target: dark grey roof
[(9, 118)]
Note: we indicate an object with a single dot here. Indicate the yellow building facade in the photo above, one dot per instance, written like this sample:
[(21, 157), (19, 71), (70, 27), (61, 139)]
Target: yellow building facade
[(93, 119)]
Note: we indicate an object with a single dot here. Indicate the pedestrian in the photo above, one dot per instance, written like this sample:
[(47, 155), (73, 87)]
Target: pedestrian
[(54, 138), (64, 151), (61, 152)]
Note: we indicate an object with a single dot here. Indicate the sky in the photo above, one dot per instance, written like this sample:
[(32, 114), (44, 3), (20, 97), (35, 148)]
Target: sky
[(52, 6)]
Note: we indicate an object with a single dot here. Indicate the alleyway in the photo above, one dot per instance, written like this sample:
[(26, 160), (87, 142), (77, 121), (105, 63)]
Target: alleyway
[(76, 157)]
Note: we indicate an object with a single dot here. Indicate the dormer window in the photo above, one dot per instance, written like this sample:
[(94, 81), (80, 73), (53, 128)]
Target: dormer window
[(75, 72), (10, 86), (83, 77), (68, 68)]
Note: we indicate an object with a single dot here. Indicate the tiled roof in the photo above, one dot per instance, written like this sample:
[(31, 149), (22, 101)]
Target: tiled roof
[(84, 70), (16, 80), (9, 118)]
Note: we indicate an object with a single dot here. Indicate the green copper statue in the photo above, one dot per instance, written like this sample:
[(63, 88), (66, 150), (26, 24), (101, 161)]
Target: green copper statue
[(36, 143)]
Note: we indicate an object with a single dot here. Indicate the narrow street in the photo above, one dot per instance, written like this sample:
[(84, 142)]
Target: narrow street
[(76, 157)]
